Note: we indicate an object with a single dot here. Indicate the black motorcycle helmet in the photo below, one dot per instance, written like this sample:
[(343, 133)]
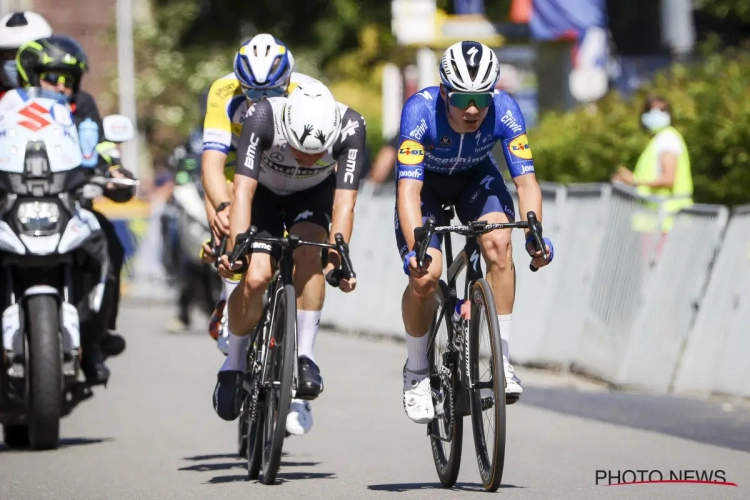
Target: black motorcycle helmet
[(50, 56)]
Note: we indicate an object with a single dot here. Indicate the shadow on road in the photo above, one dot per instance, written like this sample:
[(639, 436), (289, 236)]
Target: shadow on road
[(238, 463), (406, 487), (62, 443)]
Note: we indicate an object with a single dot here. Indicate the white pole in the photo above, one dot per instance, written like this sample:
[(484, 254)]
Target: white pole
[(126, 72)]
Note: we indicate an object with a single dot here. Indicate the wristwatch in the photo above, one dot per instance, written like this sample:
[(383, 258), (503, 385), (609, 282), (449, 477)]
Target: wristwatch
[(222, 206)]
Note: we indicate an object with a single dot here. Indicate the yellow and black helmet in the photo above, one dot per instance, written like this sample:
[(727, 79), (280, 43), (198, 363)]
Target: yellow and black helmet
[(53, 58)]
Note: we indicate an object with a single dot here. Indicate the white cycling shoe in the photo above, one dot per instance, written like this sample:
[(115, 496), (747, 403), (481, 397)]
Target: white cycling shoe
[(299, 420), (513, 383), (418, 396), (223, 341)]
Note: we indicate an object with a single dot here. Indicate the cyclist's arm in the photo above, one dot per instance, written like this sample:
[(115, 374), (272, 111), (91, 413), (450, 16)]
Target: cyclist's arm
[(257, 136), (410, 170), (350, 156), (217, 141), (519, 159)]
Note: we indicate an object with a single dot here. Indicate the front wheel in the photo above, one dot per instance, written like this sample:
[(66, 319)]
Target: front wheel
[(487, 398), (447, 429), (44, 376), (280, 369)]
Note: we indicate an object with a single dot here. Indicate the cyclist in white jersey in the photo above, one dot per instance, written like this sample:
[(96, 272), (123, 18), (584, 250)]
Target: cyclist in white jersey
[(299, 163)]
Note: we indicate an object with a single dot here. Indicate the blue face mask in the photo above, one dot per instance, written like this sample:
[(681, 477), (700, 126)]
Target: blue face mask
[(10, 73)]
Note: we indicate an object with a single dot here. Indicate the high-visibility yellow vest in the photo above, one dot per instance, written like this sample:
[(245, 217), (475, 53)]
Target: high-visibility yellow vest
[(647, 170)]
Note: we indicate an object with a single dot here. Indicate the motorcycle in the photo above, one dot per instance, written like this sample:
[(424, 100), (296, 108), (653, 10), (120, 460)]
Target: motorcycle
[(53, 265)]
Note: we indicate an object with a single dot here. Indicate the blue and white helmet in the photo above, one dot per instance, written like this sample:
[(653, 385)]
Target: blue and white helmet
[(469, 67), (263, 65)]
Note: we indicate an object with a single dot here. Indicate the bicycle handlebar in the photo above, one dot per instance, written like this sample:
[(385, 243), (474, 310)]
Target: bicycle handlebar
[(423, 234), (217, 250), (245, 240)]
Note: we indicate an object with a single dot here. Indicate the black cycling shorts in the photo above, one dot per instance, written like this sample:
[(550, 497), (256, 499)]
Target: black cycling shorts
[(273, 213)]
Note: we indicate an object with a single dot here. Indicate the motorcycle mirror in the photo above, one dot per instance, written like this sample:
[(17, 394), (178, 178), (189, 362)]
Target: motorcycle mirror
[(118, 128)]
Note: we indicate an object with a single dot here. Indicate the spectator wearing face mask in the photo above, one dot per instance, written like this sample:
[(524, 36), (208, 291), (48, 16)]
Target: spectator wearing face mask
[(663, 169)]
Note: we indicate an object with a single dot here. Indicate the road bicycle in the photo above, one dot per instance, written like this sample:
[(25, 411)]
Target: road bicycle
[(271, 376), (457, 390)]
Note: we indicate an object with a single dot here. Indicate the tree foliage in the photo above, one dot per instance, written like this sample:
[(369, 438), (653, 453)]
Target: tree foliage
[(710, 107), (739, 9)]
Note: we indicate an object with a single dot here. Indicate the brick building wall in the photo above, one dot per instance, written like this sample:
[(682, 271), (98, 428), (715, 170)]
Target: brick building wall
[(92, 24)]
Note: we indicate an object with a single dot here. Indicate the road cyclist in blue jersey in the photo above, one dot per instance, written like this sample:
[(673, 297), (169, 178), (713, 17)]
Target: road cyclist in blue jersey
[(447, 133)]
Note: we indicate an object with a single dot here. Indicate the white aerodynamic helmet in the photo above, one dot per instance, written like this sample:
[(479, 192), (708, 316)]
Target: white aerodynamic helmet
[(18, 28), (311, 119), (469, 67)]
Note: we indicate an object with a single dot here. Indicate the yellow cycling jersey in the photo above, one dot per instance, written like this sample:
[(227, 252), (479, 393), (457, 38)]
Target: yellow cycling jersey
[(225, 111)]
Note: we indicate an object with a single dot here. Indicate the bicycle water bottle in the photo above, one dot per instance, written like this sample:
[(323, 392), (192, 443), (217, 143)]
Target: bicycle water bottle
[(88, 136)]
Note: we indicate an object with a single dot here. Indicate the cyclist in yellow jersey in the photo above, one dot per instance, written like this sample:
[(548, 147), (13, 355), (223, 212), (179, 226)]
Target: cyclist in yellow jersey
[(263, 67)]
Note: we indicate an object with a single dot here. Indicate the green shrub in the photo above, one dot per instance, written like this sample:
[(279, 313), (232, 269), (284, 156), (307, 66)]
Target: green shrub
[(710, 107)]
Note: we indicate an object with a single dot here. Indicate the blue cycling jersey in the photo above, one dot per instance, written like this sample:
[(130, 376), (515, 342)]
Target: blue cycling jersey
[(428, 141)]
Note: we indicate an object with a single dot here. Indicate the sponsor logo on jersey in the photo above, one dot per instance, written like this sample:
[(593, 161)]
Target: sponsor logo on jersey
[(251, 150), (445, 141), (350, 129), (519, 147), (410, 153), (418, 132), (410, 174), (509, 120), (351, 164)]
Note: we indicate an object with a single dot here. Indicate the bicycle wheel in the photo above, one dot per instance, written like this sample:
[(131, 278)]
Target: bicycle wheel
[(280, 370), (447, 429), (254, 435), (487, 397)]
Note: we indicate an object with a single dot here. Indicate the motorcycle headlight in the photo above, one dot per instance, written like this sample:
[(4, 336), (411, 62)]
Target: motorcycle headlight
[(38, 218)]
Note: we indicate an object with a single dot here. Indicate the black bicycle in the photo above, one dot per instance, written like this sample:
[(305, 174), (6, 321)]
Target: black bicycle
[(455, 379), (271, 375)]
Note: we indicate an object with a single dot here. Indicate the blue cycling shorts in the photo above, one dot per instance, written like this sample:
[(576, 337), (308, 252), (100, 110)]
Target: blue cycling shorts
[(474, 193)]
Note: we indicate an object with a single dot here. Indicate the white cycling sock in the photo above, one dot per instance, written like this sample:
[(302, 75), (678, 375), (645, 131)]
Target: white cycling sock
[(416, 348), (505, 321), (236, 360), (229, 286), (307, 331)]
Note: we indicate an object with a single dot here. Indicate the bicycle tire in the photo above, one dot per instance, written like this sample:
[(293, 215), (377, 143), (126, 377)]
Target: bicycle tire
[(280, 366), (254, 440), (490, 462), (447, 467)]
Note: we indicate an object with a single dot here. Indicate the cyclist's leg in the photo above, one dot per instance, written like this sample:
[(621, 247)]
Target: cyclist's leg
[(245, 306), (228, 287), (308, 215), (417, 309), (487, 197)]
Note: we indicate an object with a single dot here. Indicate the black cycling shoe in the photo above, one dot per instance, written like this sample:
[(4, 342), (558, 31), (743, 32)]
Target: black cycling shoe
[(93, 367), (309, 383), (226, 396), (112, 344)]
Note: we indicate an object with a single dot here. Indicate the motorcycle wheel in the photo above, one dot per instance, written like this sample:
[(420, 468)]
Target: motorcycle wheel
[(44, 372)]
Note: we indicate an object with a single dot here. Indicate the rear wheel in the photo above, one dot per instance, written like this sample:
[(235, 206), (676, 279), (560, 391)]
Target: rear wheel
[(447, 429), (487, 397), (280, 368), (44, 375)]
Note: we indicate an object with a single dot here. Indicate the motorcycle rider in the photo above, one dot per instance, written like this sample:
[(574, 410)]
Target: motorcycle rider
[(57, 63), (16, 29)]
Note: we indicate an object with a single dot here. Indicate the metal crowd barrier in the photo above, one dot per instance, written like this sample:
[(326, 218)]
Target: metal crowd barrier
[(622, 301), (716, 355)]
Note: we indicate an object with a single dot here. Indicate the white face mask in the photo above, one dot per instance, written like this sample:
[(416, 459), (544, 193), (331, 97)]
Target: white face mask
[(655, 120)]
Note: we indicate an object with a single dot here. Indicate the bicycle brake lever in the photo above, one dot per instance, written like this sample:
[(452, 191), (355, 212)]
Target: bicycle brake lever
[(422, 236), (535, 228), (346, 262)]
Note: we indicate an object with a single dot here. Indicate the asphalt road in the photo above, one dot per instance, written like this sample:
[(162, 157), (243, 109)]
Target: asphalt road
[(152, 434)]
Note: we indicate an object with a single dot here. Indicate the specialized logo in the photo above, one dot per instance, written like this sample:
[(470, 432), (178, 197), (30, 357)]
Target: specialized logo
[(36, 117), (304, 215), (519, 147), (410, 153), (486, 182)]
